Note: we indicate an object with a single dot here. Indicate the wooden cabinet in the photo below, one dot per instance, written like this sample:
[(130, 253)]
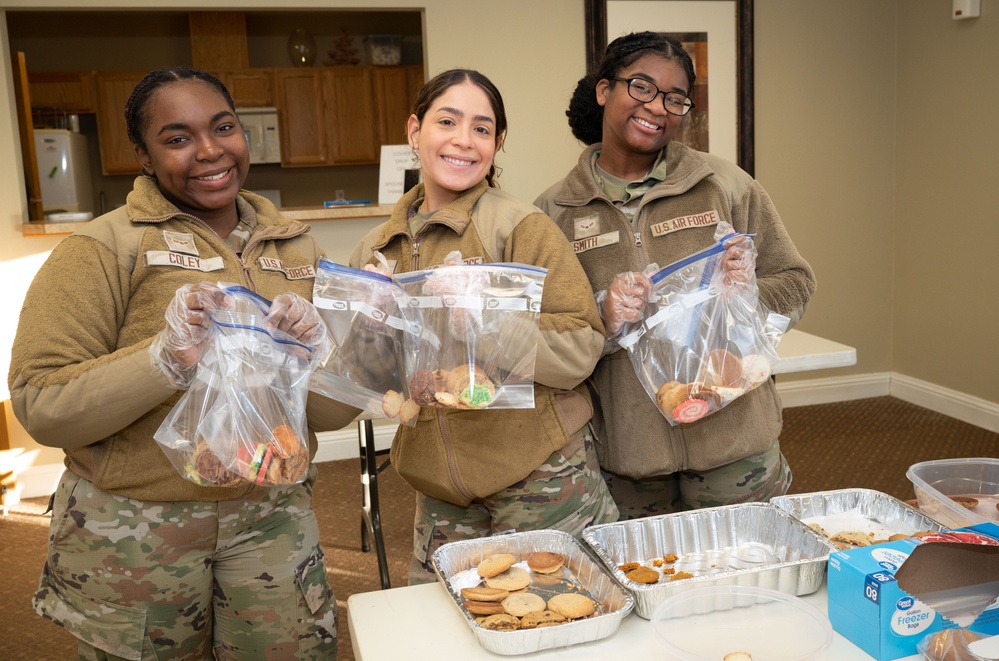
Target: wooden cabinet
[(70, 91), (343, 115), (250, 88), (395, 91), (351, 119), (327, 115), (113, 90), (298, 95)]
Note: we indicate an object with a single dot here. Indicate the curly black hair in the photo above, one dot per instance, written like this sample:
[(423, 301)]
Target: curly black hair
[(136, 116), (584, 113)]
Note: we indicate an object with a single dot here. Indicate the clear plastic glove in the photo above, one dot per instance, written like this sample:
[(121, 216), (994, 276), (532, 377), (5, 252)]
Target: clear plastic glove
[(624, 301), (176, 350), (457, 284), (739, 262), (382, 267), (301, 320), (383, 301)]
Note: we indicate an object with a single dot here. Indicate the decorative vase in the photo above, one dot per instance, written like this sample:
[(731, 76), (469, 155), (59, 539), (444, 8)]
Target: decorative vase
[(301, 48)]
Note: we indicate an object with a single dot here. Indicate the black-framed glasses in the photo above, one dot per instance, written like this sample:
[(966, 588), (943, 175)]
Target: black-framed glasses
[(675, 103)]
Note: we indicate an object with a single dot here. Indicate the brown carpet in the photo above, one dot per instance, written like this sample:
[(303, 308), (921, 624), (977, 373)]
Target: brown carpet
[(864, 443)]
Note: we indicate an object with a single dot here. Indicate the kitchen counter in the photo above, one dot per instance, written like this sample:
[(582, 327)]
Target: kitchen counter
[(305, 214), (311, 214)]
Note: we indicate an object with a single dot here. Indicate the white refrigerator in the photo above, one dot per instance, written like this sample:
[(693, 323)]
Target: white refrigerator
[(64, 171)]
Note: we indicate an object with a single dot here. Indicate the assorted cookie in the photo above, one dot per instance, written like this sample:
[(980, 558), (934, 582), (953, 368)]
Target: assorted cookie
[(545, 562), (851, 539), (464, 387), (280, 459), (394, 405), (495, 564), (722, 378), (660, 570), (504, 600)]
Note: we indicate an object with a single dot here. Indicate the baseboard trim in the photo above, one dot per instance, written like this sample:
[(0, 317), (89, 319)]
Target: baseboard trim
[(40, 480), (833, 389), (342, 444), (955, 404)]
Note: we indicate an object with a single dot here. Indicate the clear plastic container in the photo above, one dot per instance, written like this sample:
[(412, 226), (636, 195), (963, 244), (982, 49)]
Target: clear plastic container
[(942, 486), (705, 624), (384, 50)]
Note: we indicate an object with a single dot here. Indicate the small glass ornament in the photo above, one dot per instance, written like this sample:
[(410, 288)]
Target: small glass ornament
[(301, 48)]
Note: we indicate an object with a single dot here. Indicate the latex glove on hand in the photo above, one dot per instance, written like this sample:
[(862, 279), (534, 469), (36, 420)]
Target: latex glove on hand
[(178, 348), (301, 320), (382, 301), (455, 287), (624, 301), (739, 262)]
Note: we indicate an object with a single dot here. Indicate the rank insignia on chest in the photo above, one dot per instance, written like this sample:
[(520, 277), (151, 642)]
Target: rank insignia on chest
[(586, 227)]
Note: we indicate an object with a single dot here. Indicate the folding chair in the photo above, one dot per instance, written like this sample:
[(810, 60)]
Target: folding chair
[(371, 521)]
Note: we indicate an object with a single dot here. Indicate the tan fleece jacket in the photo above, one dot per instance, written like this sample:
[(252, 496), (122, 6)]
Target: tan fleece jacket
[(81, 376), (675, 219), (459, 455)]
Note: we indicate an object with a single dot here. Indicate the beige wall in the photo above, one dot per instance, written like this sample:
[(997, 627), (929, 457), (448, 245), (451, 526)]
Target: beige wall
[(845, 145), (829, 168), (946, 305)]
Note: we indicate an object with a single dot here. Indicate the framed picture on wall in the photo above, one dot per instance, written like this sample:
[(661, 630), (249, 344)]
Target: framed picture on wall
[(718, 36)]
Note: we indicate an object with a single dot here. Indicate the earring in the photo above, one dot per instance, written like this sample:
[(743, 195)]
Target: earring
[(416, 157)]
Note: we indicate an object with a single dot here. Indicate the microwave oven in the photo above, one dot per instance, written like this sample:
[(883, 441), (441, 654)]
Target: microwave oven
[(262, 136)]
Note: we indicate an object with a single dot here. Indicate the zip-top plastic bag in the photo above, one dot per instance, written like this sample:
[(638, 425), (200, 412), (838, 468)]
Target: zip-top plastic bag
[(369, 365), (242, 421), (704, 341), (476, 334)]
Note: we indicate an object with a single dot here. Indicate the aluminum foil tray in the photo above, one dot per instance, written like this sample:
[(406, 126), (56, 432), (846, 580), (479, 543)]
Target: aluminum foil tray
[(861, 510), (455, 565), (752, 544)]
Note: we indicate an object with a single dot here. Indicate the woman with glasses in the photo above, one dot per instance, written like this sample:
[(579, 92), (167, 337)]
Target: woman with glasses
[(637, 197)]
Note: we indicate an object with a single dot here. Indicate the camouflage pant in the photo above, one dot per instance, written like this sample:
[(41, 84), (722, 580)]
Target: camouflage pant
[(565, 493), (240, 579), (756, 478)]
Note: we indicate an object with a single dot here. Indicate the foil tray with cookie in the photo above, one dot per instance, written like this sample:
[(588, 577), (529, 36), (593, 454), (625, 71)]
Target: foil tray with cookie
[(850, 518), (530, 591), (753, 544), (477, 338), (705, 339)]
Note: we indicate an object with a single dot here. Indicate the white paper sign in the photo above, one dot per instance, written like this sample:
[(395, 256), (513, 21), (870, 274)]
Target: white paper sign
[(397, 173)]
